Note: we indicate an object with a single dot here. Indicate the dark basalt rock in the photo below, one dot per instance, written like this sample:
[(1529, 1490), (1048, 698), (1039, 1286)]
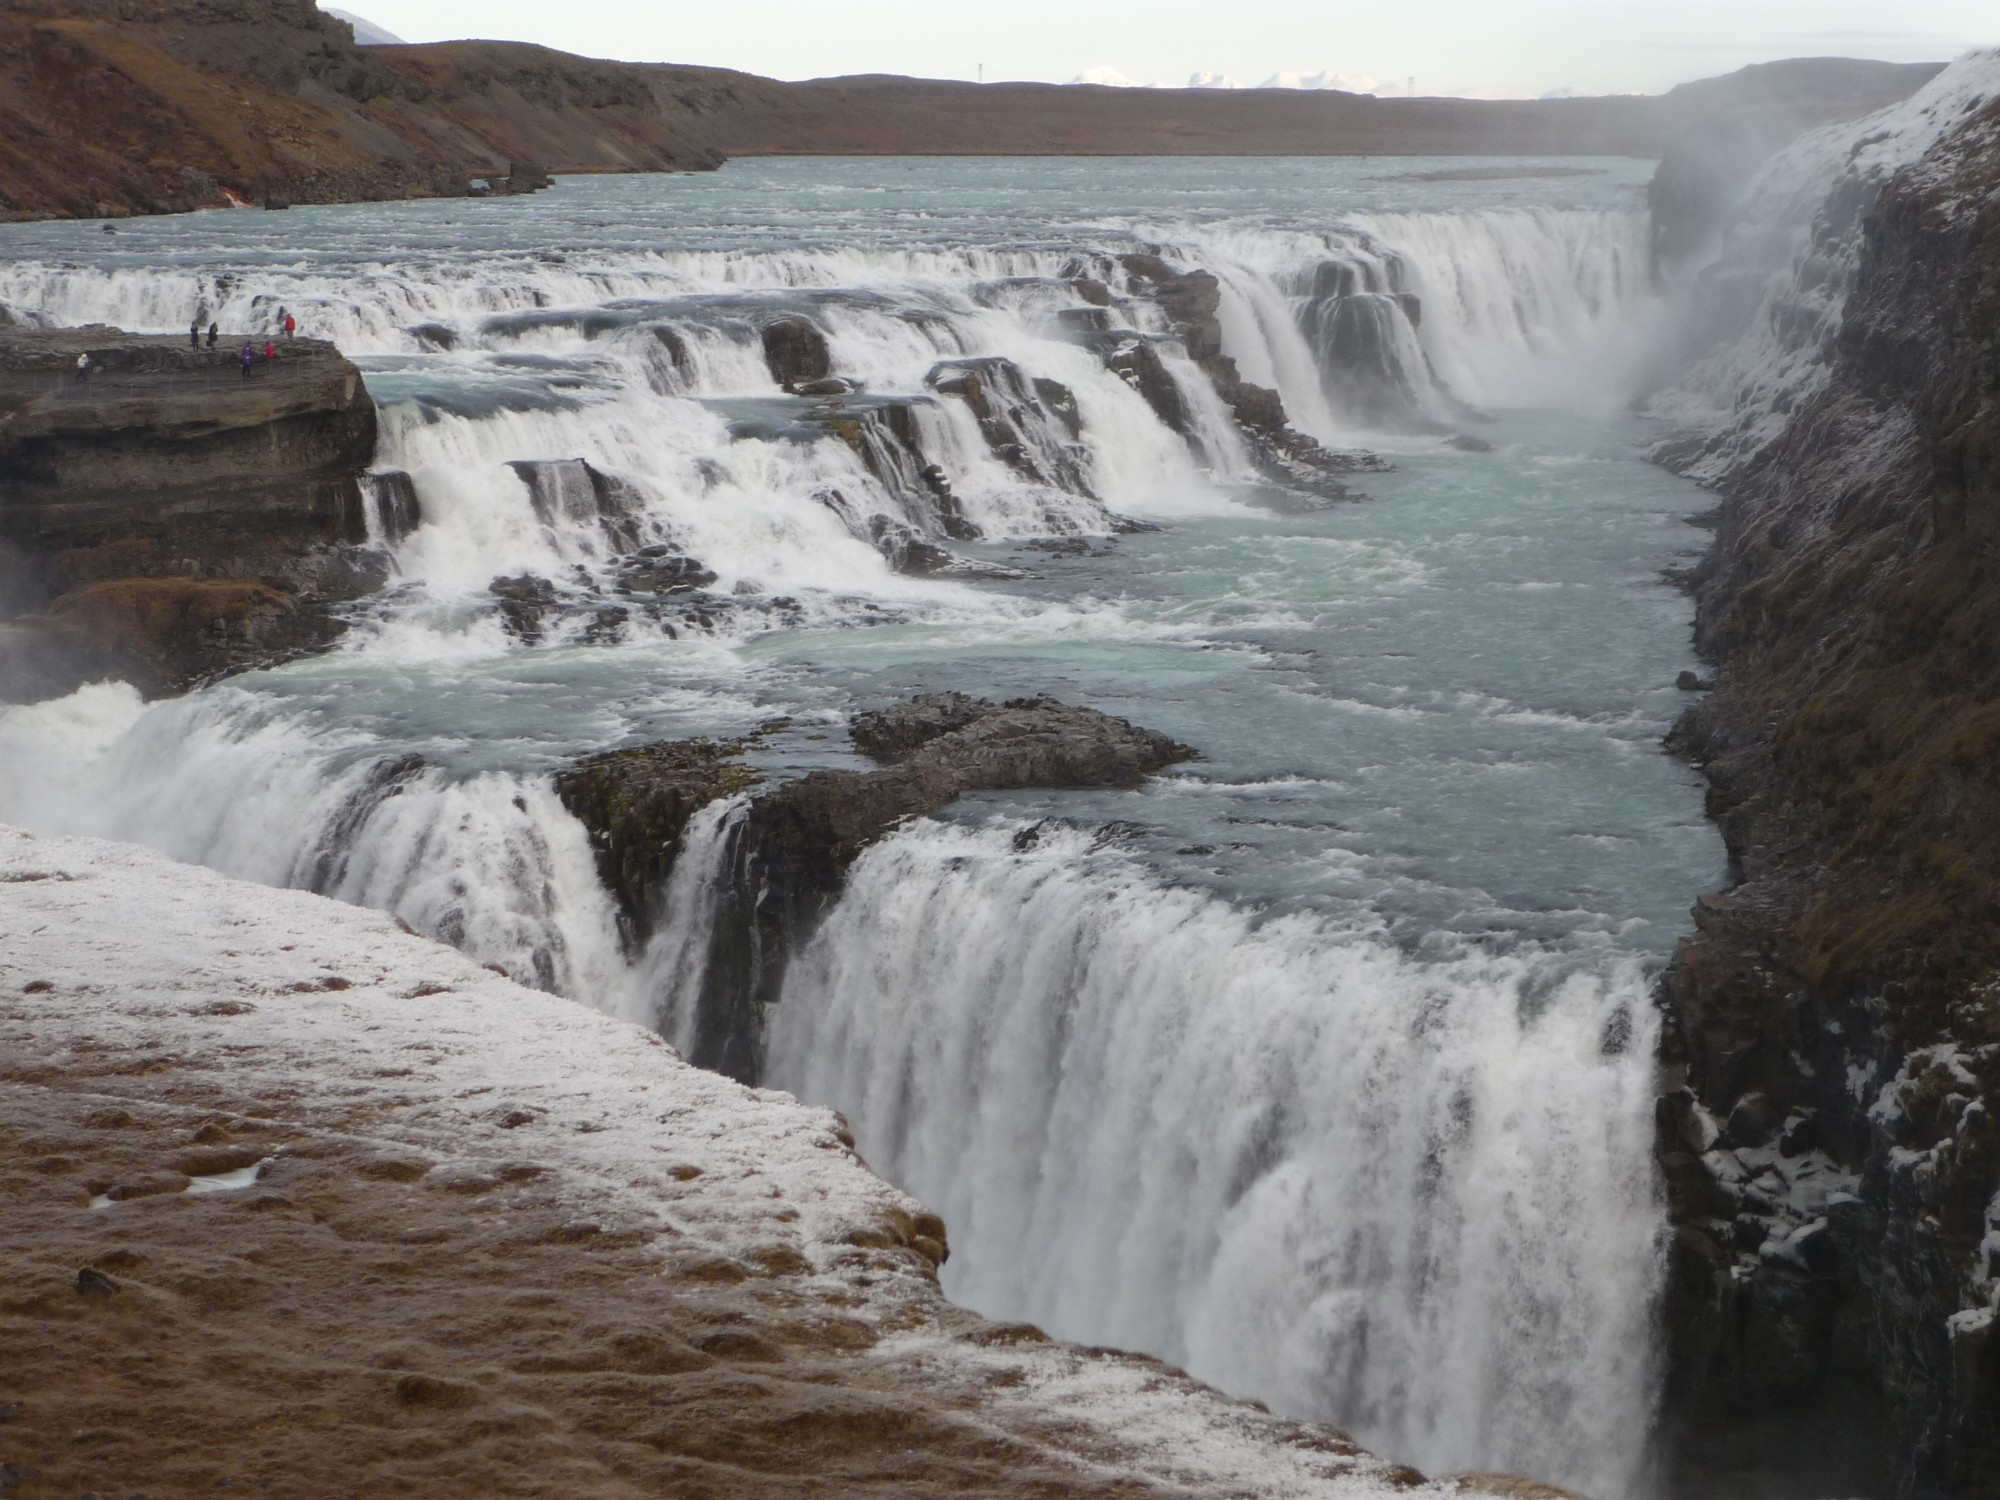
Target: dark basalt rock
[(568, 492), (908, 551), (1836, 1014), (797, 352), (656, 570), (1192, 302), (434, 335), (525, 602), (391, 497), (636, 803), (791, 848), (168, 520), (522, 177), (1019, 417)]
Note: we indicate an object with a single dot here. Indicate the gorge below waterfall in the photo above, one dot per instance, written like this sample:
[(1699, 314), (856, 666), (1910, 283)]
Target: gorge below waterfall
[(1323, 1065)]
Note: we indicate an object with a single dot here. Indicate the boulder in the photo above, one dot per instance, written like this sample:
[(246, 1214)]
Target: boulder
[(636, 802), (796, 352)]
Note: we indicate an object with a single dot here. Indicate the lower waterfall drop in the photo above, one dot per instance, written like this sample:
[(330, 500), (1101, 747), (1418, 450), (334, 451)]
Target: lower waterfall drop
[(1414, 1198)]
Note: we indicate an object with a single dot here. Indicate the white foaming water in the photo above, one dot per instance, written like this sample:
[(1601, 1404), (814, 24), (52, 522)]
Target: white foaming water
[(491, 863), (1413, 1198), (649, 367), (1412, 1193), (1532, 307), (675, 960)]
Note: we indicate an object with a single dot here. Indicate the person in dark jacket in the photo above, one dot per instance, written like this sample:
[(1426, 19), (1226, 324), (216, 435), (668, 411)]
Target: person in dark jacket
[(249, 359), (194, 334), (211, 335)]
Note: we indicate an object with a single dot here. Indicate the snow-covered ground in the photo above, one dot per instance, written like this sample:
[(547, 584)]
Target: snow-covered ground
[(123, 974)]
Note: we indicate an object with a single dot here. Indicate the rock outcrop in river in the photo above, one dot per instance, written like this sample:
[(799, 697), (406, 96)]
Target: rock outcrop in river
[(794, 842), (1834, 1158), (166, 518)]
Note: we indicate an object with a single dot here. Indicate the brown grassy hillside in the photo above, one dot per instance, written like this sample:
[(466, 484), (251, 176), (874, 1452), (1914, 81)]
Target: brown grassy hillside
[(113, 107)]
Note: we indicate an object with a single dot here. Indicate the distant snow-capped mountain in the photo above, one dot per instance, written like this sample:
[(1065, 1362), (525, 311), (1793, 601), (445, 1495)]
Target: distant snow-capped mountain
[(1326, 78), (1107, 77)]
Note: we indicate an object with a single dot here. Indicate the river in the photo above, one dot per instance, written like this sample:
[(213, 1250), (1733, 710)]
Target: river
[(1321, 1065)]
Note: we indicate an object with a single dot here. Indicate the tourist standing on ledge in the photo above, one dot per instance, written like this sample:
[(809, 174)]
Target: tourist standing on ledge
[(249, 359)]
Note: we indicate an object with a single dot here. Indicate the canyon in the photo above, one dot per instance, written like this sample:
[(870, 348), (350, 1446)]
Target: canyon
[(1820, 1116)]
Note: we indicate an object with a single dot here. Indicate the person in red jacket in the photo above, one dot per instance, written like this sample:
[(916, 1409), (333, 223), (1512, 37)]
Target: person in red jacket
[(270, 351), (291, 325)]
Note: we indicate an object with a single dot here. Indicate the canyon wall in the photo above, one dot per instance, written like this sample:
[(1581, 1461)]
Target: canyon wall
[(1834, 1155)]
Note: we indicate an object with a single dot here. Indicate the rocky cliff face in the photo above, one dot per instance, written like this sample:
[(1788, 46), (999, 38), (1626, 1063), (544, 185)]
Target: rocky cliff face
[(1834, 1156), (790, 850), (167, 518)]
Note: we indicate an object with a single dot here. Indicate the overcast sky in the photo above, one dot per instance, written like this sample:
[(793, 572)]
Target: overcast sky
[(1511, 47)]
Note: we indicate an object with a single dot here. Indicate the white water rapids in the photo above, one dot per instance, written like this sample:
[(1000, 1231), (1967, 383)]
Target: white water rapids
[(1307, 1167), (1336, 1086)]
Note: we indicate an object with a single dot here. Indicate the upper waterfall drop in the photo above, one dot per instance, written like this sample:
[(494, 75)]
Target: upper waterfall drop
[(951, 391)]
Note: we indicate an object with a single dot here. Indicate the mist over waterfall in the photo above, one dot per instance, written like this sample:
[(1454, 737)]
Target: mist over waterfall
[(1321, 1065)]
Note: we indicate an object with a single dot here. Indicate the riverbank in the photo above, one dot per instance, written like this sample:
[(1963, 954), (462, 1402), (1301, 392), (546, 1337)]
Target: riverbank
[(163, 106), (290, 1193)]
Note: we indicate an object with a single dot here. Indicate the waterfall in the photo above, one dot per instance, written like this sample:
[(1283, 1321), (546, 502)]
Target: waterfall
[(1412, 1195), (1400, 320), (490, 862), (656, 371), (1412, 1198), (676, 959), (1763, 317)]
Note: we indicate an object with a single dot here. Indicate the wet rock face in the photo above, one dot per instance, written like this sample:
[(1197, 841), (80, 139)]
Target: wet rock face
[(797, 352), (1030, 424), (1834, 1161), (791, 849), (636, 803), (168, 519), (1192, 303)]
